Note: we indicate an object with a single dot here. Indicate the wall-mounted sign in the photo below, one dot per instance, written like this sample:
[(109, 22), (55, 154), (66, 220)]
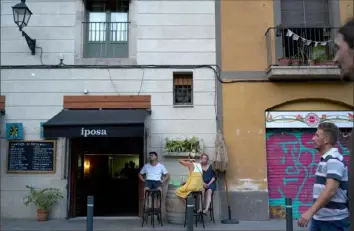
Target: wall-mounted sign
[(14, 131), (87, 132), (51, 132), (31, 157), (308, 119)]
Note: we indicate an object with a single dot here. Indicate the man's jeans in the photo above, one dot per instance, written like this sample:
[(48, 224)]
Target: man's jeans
[(340, 225)]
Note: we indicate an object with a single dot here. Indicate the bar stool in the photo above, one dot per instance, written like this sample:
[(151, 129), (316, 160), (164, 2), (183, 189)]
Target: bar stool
[(154, 194), (211, 208), (197, 196)]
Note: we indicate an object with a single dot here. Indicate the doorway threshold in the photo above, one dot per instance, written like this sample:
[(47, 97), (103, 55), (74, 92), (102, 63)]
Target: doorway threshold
[(105, 218)]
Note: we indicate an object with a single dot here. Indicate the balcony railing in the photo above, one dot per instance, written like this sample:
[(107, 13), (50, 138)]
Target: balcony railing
[(106, 39), (300, 46)]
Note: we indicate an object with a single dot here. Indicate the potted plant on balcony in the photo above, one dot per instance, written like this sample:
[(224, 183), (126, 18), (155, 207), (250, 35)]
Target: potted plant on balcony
[(320, 56), (285, 61), (182, 147), (43, 199)]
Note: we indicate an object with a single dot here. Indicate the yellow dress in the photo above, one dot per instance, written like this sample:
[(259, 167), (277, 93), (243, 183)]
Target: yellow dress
[(194, 182)]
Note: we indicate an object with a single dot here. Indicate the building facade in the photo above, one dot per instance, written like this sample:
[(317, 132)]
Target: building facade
[(92, 76), (279, 84)]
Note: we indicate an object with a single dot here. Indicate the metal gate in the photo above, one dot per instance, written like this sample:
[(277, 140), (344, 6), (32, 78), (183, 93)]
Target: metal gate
[(291, 165)]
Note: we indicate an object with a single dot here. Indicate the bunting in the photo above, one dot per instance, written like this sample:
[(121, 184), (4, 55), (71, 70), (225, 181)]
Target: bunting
[(306, 41)]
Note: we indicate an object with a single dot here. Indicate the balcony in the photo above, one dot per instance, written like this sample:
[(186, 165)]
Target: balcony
[(106, 39), (301, 54)]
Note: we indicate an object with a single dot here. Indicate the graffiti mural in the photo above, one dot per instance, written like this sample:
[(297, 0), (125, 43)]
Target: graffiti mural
[(292, 163)]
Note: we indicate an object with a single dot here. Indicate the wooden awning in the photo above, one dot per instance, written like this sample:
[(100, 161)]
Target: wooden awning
[(108, 102)]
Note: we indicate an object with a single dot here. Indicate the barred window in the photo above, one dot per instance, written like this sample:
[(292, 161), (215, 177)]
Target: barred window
[(183, 89)]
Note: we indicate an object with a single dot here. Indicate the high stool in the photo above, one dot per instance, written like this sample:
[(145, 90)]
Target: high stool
[(197, 196), (211, 208), (154, 194)]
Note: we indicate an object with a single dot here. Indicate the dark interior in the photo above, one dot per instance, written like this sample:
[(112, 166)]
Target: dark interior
[(107, 169)]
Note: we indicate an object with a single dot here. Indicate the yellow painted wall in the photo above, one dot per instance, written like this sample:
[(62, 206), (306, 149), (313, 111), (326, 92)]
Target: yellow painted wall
[(244, 106), (243, 25), (243, 28), (346, 10)]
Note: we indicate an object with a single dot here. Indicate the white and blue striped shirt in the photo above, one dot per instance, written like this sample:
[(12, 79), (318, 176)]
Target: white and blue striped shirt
[(332, 166)]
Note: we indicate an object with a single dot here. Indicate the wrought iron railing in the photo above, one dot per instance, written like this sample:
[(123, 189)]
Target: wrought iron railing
[(106, 39), (300, 46)]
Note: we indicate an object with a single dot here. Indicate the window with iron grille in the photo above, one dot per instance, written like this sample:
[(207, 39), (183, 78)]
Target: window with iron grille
[(183, 89), (106, 29)]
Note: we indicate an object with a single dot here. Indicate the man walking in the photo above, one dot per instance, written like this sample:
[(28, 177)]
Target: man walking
[(345, 60), (330, 209)]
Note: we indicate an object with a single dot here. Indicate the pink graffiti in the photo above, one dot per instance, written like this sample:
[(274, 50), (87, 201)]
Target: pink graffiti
[(292, 162)]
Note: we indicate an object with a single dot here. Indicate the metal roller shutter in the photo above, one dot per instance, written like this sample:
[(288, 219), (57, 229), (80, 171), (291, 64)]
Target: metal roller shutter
[(301, 13), (291, 163)]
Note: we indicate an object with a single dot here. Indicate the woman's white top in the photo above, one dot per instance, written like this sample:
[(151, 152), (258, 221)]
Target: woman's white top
[(198, 168)]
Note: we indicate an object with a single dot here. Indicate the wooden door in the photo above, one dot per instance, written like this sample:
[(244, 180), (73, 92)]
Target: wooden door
[(76, 152)]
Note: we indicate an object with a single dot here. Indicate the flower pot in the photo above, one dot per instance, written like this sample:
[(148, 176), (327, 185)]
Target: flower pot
[(42, 215), (295, 62), (326, 63), (284, 62)]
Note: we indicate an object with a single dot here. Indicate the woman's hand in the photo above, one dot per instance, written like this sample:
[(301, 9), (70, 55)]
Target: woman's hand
[(206, 185)]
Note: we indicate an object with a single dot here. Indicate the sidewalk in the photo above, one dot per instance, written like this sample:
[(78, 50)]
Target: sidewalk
[(135, 225)]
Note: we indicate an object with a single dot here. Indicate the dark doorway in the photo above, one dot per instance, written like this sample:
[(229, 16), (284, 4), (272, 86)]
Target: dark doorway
[(107, 169)]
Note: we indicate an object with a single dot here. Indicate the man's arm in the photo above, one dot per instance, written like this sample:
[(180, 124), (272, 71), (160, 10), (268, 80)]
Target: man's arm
[(141, 173), (335, 170), (165, 175)]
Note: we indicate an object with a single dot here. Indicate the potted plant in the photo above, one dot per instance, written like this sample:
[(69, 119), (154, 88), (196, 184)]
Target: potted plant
[(182, 147), (320, 56), (285, 61), (43, 199)]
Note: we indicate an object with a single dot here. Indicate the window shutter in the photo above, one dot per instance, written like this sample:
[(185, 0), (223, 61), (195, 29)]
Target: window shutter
[(305, 13)]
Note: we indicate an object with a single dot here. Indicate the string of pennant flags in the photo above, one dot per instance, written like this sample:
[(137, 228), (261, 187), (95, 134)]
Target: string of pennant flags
[(308, 42)]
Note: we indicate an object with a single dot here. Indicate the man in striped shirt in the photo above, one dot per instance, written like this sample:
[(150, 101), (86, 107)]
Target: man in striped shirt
[(330, 209)]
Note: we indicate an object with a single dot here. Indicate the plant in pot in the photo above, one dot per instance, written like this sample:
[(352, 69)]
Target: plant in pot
[(320, 57), (285, 61), (182, 146), (43, 199)]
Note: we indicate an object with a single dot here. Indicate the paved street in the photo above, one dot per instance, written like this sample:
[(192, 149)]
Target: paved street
[(135, 225)]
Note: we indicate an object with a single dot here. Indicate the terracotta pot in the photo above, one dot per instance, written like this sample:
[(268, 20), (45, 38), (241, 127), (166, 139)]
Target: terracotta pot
[(284, 62), (327, 63), (42, 215), (295, 62)]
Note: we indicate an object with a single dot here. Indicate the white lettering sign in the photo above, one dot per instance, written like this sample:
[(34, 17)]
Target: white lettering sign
[(93, 132)]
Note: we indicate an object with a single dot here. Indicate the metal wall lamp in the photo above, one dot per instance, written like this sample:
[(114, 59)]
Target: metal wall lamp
[(22, 15)]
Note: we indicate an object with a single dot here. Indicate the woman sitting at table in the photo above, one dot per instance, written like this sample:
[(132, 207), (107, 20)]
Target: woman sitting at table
[(194, 180)]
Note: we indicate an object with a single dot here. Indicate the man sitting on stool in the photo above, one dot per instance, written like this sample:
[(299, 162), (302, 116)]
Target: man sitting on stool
[(156, 175)]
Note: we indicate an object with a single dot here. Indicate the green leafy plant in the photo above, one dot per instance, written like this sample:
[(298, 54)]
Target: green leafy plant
[(43, 199), (186, 145), (319, 54)]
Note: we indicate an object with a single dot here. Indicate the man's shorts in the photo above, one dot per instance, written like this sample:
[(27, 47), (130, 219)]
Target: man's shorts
[(153, 184), (339, 225)]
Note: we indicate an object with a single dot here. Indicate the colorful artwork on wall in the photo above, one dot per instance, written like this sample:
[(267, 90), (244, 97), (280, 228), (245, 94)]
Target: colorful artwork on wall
[(308, 119), (14, 131), (292, 162)]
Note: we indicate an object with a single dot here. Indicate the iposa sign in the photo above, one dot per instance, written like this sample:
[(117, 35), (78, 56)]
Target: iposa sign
[(93, 132)]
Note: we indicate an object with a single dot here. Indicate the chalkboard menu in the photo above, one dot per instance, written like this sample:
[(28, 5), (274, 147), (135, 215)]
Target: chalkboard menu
[(31, 157)]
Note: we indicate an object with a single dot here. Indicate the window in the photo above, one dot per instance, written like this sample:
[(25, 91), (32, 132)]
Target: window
[(310, 20), (107, 29), (183, 89)]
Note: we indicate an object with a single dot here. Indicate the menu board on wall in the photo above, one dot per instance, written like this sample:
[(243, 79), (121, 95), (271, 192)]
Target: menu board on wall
[(31, 156)]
